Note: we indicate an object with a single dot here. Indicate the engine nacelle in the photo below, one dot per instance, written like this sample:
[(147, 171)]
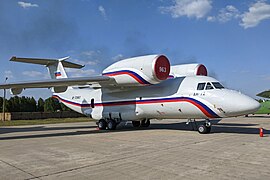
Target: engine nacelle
[(16, 91), (188, 70), (139, 71)]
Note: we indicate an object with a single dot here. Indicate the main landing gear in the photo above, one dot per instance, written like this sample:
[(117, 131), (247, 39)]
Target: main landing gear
[(204, 128), (110, 124), (142, 123)]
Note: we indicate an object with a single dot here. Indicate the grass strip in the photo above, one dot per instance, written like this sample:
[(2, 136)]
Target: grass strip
[(43, 121)]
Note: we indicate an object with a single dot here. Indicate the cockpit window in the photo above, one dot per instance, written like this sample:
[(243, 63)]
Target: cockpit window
[(209, 86), (200, 86), (217, 85)]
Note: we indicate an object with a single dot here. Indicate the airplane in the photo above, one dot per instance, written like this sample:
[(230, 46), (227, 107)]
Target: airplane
[(139, 89)]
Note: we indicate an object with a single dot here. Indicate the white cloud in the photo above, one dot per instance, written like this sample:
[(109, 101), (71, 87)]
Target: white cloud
[(85, 62), (211, 18), (102, 12), (27, 5), (33, 74), (80, 72), (225, 14), (118, 57), (256, 13), (189, 8), (8, 74), (88, 58), (89, 53), (265, 77)]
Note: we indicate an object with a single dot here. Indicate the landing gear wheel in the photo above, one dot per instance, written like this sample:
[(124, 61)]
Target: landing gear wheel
[(136, 123), (111, 125), (102, 124), (145, 123), (202, 129)]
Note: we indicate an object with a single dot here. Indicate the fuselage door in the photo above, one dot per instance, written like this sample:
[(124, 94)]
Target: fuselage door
[(92, 103)]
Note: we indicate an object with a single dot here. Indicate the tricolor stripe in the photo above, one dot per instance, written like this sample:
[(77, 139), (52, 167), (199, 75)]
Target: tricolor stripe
[(203, 108), (57, 74), (132, 74)]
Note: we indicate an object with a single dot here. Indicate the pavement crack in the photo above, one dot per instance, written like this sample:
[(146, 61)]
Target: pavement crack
[(20, 169)]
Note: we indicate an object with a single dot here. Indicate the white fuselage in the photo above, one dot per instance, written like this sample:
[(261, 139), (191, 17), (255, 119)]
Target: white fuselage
[(176, 98)]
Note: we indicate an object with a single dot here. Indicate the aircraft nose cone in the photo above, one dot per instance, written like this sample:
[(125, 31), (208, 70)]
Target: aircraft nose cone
[(242, 105), (251, 106)]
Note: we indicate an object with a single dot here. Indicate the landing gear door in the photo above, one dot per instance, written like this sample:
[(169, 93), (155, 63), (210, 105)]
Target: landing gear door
[(92, 104)]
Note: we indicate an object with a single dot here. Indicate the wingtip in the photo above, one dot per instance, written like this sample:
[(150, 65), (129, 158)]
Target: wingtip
[(13, 58)]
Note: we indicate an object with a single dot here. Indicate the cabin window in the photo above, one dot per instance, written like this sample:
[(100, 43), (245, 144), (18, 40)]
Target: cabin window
[(200, 86), (92, 103), (209, 86), (217, 85)]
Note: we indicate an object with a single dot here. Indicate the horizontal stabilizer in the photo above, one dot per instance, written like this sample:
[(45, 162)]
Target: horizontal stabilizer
[(47, 62)]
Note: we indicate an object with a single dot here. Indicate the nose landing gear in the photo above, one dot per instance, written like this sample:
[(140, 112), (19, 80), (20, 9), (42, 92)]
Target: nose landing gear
[(204, 128)]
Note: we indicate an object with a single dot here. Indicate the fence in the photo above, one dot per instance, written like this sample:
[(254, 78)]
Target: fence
[(39, 115)]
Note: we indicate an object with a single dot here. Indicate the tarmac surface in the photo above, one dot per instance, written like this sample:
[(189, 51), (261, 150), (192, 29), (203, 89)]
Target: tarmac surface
[(169, 149)]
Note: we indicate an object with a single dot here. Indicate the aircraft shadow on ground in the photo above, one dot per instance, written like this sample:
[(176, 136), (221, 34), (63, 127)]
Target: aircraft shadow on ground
[(5, 130), (77, 130)]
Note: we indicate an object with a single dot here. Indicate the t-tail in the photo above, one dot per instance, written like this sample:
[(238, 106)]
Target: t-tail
[(56, 67)]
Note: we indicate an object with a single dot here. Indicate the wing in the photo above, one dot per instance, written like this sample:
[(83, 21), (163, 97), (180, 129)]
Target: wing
[(60, 85)]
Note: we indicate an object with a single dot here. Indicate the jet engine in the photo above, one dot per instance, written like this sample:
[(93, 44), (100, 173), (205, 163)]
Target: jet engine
[(188, 70), (139, 71)]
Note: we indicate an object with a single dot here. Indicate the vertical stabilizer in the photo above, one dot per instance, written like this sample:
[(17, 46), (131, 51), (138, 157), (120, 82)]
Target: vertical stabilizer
[(56, 70)]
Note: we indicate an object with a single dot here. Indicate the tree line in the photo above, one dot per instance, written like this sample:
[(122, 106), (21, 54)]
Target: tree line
[(29, 104)]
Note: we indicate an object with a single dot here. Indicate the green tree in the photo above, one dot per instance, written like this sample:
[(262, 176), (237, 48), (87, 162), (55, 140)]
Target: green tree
[(65, 108), (14, 104), (33, 105), (48, 105), (1, 104), (52, 105), (40, 105)]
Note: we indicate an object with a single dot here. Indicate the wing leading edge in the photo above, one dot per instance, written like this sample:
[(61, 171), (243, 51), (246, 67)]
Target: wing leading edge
[(59, 84)]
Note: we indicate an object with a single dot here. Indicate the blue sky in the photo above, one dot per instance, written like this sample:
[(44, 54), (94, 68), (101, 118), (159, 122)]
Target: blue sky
[(232, 38)]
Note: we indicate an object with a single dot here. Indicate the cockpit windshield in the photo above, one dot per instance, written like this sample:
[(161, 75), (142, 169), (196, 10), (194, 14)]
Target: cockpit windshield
[(201, 86), (209, 86), (217, 85)]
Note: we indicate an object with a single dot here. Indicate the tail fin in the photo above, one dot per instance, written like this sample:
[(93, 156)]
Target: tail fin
[(55, 66)]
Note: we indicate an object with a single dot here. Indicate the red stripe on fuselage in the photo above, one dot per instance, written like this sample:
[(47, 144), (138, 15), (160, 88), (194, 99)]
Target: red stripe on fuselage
[(123, 103)]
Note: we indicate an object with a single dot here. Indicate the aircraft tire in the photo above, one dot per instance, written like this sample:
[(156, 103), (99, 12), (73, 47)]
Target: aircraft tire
[(111, 125), (145, 123), (102, 124), (136, 123), (202, 129)]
